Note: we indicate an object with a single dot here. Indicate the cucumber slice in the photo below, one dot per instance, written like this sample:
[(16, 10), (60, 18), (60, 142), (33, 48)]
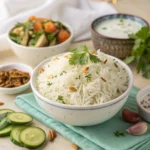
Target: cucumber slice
[(4, 112), (6, 131), (15, 134), (4, 123), (32, 137), (19, 118)]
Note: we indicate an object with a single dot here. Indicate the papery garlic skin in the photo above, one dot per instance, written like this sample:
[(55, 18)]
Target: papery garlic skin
[(138, 129)]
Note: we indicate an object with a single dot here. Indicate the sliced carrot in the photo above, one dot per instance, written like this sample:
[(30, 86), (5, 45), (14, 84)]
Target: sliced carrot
[(37, 26), (50, 27), (31, 18), (63, 35)]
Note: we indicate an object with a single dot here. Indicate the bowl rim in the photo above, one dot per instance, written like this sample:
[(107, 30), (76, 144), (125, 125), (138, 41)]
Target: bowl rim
[(17, 64), (68, 106), (47, 47), (113, 38), (139, 94)]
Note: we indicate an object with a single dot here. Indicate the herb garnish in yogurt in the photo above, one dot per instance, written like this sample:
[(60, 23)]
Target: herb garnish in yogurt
[(118, 27)]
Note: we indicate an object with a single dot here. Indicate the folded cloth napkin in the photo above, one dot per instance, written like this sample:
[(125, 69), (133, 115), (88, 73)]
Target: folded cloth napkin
[(98, 137), (79, 14)]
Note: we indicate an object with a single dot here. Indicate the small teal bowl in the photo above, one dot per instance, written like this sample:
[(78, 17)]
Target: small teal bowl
[(120, 48)]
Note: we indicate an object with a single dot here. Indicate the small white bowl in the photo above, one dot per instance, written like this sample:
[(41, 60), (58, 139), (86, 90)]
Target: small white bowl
[(143, 112), (18, 66), (81, 115), (34, 56)]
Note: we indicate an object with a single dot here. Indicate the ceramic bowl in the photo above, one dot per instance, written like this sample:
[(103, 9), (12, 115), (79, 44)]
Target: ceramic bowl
[(34, 56), (117, 47), (18, 66), (143, 112), (81, 115)]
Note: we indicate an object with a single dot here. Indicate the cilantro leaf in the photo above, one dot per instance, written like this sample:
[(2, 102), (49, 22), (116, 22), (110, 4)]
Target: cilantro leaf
[(118, 133), (60, 99), (81, 56), (94, 58)]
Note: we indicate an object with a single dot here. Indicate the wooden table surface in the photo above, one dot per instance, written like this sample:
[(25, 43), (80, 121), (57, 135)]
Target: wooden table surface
[(137, 7)]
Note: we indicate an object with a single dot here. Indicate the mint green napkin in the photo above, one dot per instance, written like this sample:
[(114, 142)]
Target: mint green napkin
[(98, 137)]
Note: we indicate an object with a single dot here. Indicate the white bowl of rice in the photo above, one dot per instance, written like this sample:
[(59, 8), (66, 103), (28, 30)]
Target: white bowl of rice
[(82, 95)]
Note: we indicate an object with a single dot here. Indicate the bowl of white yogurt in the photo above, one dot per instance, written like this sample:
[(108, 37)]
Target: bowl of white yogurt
[(110, 33)]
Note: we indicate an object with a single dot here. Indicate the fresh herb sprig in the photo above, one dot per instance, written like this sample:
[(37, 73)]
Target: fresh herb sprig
[(60, 99), (88, 77), (141, 51), (81, 56), (118, 133)]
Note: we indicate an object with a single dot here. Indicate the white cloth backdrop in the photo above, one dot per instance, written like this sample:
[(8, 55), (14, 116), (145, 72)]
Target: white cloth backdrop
[(77, 13)]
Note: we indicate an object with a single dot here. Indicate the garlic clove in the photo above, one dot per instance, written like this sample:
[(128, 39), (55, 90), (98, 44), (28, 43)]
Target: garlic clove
[(138, 129)]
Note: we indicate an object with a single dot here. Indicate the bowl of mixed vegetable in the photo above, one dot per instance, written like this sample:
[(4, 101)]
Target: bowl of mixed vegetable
[(38, 38)]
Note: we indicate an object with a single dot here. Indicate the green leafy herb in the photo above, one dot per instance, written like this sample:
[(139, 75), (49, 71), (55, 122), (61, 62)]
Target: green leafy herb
[(121, 20), (81, 56), (49, 83), (50, 37), (118, 133), (141, 51), (19, 24), (60, 99), (63, 73), (88, 77), (35, 37), (29, 25), (104, 28), (15, 38)]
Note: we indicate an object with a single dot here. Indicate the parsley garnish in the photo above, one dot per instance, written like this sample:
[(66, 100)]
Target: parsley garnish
[(81, 56), (15, 38), (88, 77), (104, 28), (141, 51), (121, 20), (60, 99), (49, 83), (118, 133)]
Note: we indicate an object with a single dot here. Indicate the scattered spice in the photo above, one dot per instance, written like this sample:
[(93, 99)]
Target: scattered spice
[(146, 101), (85, 69), (75, 146), (118, 134), (51, 135), (50, 76), (13, 78), (56, 58), (41, 70), (73, 89), (66, 56), (116, 65), (1, 103), (105, 61), (103, 79), (93, 52)]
